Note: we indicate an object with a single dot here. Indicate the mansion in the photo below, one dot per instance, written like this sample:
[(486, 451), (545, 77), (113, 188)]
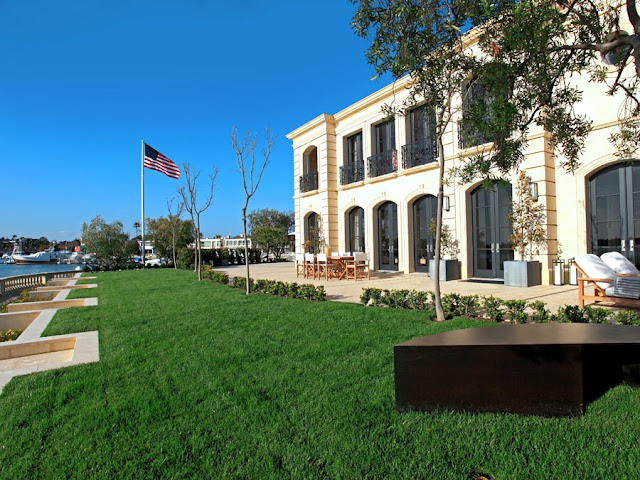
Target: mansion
[(364, 182)]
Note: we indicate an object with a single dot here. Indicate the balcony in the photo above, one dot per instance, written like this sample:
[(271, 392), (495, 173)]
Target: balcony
[(382, 163), (309, 182), (467, 138), (418, 153), (352, 172)]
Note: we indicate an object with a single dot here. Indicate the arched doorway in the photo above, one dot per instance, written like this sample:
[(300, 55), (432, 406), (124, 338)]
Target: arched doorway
[(491, 230), (388, 236), (355, 230), (424, 210), (311, 233), (614, 204)]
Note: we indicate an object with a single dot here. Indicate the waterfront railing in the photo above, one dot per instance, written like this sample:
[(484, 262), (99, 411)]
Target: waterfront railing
[(20, 282)]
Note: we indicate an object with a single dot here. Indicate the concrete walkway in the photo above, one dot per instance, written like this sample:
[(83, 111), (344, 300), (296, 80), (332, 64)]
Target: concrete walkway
[(350, 291)]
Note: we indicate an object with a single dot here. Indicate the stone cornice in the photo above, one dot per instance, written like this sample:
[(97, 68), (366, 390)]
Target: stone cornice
[(324, 118)]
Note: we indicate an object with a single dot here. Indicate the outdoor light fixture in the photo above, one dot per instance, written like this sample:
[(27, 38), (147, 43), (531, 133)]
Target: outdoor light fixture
[(445, 203), (533, 188)]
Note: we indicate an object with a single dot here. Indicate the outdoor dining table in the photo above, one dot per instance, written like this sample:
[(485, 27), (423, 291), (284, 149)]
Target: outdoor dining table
[(341, 261)]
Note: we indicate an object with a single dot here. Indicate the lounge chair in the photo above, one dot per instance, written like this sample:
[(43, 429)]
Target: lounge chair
[(608, 285)]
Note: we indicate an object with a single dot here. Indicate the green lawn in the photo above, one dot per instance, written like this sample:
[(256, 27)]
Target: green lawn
[(197, 380)]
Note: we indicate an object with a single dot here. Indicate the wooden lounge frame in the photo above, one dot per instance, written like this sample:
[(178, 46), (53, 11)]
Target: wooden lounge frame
[(599, 293)]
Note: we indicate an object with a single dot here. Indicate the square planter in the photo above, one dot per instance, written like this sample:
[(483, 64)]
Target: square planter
[(449, 270), (522, 273)]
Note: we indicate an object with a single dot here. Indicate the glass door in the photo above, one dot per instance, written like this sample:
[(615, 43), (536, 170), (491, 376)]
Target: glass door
[(424, 211), (491, 230), (388, 236), (614, 198)]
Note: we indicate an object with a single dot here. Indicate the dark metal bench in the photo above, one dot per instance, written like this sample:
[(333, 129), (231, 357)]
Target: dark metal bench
[(545, 369)]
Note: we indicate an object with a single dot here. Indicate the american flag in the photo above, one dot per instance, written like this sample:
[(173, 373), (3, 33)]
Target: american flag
[(154, 160)]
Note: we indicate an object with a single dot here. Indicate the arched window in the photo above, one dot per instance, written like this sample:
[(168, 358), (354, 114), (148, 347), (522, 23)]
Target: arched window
[(424, 211), (387, 215), (355, 230), (309, 178), (614, 205), (312, 233)]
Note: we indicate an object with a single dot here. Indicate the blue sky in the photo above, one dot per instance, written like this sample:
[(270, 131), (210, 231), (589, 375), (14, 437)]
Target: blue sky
[(83, 82)]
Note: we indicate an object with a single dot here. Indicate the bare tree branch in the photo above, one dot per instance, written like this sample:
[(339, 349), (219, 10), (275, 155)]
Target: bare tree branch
[(245, 151), (189, 196)]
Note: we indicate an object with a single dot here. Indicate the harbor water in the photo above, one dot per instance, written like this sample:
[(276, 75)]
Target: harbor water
[(12, 270)]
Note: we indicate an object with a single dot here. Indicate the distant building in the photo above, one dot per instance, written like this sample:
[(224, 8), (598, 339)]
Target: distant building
[(224, 242)]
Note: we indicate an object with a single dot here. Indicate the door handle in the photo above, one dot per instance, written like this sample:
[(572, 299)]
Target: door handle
[(632, 245), (623, 245)]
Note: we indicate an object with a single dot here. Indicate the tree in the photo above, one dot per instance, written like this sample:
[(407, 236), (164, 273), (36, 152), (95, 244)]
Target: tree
[(189, 195), (251, 173), (424, 40), (527, 219), (136, 226), (168, 235), (270, 230), (174, 222), (526, 53), (573, 37), (108, 241)]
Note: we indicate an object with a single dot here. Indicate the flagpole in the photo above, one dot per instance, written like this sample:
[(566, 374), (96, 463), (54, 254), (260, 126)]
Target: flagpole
[(142, 198)]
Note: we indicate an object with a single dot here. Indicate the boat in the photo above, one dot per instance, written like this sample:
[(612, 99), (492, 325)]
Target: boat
[(47, 256)]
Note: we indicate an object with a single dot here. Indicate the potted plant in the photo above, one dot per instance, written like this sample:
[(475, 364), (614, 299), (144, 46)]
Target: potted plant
[(529, 236), (224, 257), (449, 267)]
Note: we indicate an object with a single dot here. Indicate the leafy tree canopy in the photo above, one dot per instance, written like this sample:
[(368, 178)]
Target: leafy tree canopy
[(525, 59), (108, 241), (160, 231), (270, 230)]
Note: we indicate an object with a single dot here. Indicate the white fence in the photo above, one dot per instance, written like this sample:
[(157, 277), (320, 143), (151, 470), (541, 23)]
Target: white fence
[(21, 282)]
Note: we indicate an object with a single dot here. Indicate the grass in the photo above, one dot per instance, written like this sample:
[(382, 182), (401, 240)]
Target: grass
[(197, 380)]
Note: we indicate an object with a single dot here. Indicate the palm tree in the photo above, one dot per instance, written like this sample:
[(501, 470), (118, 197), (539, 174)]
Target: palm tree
[(136, 225)]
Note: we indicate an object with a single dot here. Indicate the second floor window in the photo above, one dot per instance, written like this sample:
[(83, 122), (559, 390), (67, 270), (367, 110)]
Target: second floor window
[(353, 167), (421, 147), (309, 178), (384, 159), (384, 137), (474, 102)]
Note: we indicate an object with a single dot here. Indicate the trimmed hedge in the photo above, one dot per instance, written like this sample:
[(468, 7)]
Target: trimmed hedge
[(495, 309), (282, 289), (216, 277)]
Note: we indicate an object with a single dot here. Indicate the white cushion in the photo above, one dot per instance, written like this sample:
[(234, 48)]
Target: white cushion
[(619, 263), (594, 267), (610, 291)]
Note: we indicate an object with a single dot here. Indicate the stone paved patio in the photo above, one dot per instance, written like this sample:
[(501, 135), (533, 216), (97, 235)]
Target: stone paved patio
[(349, 291)]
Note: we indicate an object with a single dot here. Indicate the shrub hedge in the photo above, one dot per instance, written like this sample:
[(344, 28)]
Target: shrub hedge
[(495, 309), (282, 289)]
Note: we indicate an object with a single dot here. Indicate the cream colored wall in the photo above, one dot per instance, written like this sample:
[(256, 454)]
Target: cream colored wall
[(562, 194)]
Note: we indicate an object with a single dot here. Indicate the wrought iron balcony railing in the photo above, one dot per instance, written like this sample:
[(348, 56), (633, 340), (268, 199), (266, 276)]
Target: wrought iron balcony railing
[(418, 153), (382, 163), (352, 172), (309, 182), (467, 138)]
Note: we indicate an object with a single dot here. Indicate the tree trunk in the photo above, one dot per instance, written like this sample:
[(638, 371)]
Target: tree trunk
[(246, 248), (175, 265), (436, 273), (198, 257)]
